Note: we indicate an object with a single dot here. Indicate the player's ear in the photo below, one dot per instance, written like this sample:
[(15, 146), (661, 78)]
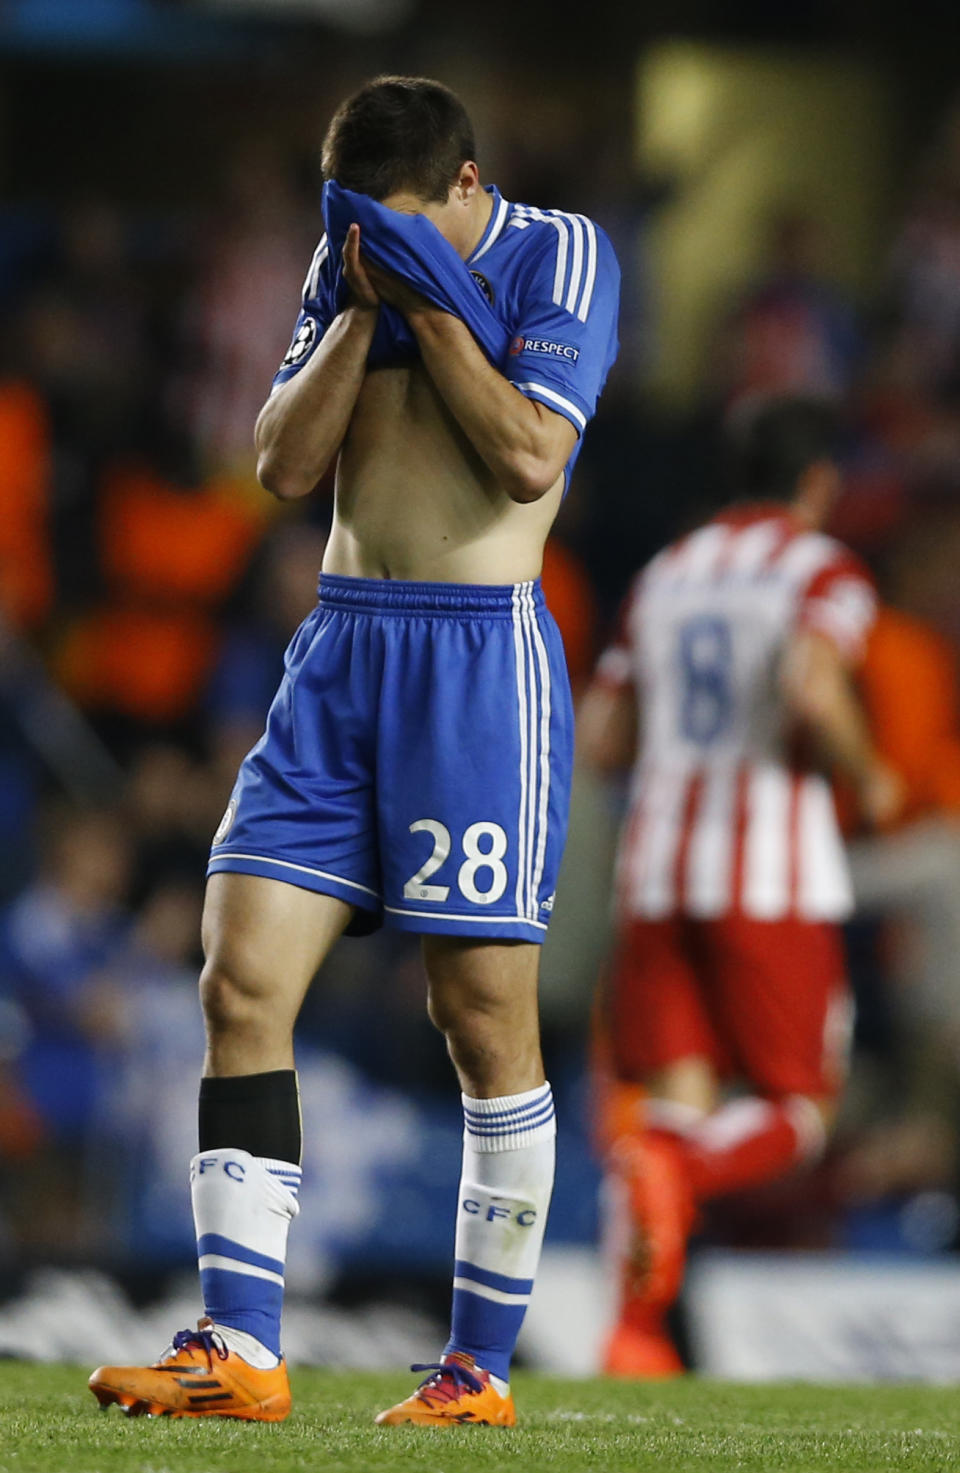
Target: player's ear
[(467, 181)]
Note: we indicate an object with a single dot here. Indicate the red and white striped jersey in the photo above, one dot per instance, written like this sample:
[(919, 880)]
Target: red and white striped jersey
[(724, 815)]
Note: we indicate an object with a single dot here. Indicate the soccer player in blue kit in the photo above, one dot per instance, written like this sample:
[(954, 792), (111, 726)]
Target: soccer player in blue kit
[(415, 767)]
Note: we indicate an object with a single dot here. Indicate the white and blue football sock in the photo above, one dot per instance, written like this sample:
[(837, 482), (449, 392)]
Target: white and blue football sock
[(508, 1163), (242, 1208)]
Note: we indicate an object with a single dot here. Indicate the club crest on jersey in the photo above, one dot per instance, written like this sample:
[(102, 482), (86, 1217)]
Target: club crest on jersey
[(544, 345), (302, 343), (484, 285)]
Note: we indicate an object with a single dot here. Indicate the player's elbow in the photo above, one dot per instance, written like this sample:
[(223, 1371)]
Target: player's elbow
[(528, 478), (536, 463), (282, 481)]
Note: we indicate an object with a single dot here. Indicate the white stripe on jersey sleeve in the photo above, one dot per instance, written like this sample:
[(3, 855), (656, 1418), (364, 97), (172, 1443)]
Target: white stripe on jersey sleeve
[(559, 274), (311, 282), (699, 556), (530, 213), (591, 276), (844, 613), (576, 242), (766, 844), (576, 414), (752, 548), (576, 265), (805, 556)]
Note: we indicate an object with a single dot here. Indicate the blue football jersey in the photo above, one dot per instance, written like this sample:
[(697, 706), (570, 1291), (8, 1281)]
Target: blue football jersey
[(552, 282)]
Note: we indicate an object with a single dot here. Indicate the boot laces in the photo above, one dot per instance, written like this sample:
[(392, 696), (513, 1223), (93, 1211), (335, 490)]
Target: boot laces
[(447, 1381), (202, 1338)]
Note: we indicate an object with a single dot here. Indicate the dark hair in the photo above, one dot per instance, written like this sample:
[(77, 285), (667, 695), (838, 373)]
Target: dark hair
[(774, 444), (399, 133)]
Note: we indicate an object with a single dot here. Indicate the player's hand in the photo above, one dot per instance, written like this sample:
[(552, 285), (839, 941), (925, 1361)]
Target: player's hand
[(394, 292), (356, 274), (882, 796)]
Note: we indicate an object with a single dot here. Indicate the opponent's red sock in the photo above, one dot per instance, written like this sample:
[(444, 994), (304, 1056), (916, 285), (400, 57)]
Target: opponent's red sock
[(748, 1142), (649, 1215)]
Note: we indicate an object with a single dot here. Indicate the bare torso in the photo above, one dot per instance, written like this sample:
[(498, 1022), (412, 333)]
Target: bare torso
[(415, 501)]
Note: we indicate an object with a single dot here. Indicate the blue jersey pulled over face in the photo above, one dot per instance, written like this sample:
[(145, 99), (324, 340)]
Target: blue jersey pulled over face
[(551, 281)]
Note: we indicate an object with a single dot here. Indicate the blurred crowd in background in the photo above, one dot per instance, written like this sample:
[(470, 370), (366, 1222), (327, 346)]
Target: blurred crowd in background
[(148, 589)]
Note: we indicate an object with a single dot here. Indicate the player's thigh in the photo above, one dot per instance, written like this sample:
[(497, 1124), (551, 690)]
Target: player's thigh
[(302, 808), (265, 940), (654, 1010), (782, 1002)]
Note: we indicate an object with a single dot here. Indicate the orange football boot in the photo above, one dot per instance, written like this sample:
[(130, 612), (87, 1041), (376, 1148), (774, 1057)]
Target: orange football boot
[(197, 1377), (456, 1391)]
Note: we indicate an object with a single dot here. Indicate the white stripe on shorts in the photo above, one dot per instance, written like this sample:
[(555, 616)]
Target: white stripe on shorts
[(518, 648), (304, 869), (544, 794), (443, 915), (534, 709), (533, 732)]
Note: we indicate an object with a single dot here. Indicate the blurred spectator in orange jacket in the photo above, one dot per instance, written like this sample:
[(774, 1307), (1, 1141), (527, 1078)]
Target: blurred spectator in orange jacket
[(171, 556), (910, 691)]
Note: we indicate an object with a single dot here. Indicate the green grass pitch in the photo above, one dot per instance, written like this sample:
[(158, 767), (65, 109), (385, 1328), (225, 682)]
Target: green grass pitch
[(49, 1423)]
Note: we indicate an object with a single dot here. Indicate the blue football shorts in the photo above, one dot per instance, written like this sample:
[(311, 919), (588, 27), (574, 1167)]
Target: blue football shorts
[(416, 760)]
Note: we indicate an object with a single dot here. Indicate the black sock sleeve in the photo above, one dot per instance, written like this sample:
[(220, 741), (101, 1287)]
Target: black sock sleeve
[(259, 1113)]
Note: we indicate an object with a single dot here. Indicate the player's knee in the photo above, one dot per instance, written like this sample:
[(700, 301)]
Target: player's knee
[(231, 1001), (467, 1027), (485, 1048), (439, 1010), (491, 1025), (473, 1046)]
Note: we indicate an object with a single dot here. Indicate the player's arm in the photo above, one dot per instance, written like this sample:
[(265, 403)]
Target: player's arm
[(302, 424), (301, 427), (525, 444), (607, 728), (820, 694)]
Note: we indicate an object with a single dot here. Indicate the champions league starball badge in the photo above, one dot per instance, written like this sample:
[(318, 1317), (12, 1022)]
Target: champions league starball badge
[(303, 340)]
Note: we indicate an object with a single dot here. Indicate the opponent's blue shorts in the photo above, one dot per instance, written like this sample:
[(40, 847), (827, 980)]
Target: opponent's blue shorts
[(416, 761)]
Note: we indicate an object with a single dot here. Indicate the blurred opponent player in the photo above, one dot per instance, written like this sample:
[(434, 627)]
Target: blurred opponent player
[(415, 767), (734, 655)]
